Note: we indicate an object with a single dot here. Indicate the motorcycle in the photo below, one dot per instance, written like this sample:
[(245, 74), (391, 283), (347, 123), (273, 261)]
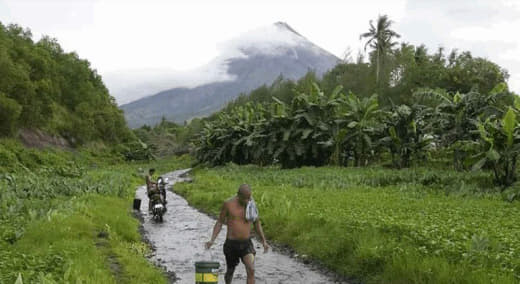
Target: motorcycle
[(157, 205), (158, 199), (158, 210), (161, 183)]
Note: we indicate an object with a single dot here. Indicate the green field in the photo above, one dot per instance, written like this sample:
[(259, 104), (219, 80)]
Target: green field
[(65, 217), (380, 225)]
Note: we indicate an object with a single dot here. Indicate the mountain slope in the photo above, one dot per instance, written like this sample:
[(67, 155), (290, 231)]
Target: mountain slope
[(251, 60)]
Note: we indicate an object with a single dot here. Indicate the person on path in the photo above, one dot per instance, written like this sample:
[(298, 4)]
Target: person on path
[(150, 187), (238, 213)]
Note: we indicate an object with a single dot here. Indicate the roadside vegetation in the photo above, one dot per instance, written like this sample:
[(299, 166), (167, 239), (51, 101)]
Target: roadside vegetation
[(66, 216)]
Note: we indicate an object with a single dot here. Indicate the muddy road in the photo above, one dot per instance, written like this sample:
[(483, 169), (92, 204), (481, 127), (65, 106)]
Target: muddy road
[(179, 243)]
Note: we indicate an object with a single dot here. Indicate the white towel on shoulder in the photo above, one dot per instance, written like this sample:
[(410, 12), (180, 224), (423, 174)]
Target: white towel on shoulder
[(251, 211)]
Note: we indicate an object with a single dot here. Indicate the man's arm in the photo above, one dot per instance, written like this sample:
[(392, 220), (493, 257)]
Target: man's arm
[(218, 225), (258, 229)]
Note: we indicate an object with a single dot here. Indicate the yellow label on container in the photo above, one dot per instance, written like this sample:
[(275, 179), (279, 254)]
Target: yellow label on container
[(210, 277), (206, 277)]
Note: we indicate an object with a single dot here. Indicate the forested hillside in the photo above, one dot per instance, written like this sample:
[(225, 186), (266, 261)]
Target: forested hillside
[(44, 87)]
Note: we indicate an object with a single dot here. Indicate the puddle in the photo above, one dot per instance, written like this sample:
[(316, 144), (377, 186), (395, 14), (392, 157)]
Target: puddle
[(179, 243)]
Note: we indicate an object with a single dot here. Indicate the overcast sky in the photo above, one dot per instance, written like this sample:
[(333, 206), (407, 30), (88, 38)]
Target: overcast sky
[(120, 36)]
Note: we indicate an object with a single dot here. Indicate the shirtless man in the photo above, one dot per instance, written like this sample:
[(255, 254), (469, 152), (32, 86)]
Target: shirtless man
[(238, 243)]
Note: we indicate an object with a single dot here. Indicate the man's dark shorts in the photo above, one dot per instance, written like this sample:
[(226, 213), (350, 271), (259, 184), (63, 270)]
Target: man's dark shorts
[(236, 249)]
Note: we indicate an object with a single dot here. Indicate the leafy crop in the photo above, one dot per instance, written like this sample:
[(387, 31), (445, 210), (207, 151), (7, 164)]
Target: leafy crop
[(381, 225)]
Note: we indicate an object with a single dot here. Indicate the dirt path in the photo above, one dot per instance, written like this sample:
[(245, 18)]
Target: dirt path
[(179, 243)]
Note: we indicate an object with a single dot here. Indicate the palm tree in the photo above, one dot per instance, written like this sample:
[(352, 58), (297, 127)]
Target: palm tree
[(380, 38)]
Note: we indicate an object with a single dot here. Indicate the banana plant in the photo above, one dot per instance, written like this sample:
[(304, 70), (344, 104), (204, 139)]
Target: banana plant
[(361, 121), (338, 156), (303, 126), (455, 115), (288, 133), (500, 142), (407, 136), (248, 146)]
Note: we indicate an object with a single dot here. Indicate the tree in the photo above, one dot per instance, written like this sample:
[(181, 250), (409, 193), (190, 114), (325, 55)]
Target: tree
[(9, 112), (54, 91), (354, 77), (467, 73), (380, 38)]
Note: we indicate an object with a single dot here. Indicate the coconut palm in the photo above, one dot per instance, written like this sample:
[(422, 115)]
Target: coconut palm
[(380, 38)]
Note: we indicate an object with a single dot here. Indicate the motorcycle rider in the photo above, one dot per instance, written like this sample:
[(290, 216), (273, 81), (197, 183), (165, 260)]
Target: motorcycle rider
[(150, 187)]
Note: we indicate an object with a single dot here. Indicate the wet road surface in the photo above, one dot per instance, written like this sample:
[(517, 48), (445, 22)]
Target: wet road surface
[(179, 243)]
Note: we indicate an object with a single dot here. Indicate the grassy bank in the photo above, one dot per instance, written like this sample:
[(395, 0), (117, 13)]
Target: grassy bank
[(380, 225), (66, 217)]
